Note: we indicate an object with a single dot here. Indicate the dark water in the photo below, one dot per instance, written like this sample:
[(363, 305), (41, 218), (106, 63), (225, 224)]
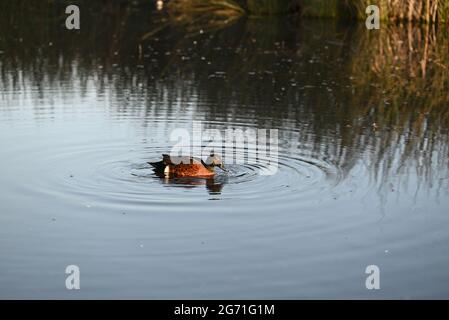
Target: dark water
[(363, 173)]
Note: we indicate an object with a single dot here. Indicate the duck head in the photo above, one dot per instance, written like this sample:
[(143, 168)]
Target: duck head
[(214, 160)]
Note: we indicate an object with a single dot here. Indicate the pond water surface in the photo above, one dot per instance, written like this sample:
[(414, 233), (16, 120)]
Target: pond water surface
[(362, 180)]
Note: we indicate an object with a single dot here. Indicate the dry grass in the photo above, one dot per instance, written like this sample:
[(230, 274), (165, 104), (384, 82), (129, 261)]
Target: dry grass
[(431, 11), (406, 10)]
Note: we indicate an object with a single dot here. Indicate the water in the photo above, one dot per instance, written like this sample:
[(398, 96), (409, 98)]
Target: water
[(363, 160)]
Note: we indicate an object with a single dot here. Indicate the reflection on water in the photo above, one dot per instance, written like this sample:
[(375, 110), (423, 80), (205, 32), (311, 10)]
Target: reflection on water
[(363, 158), (212, 185)]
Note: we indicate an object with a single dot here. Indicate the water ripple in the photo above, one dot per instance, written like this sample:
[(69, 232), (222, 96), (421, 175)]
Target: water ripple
[(116, 173)]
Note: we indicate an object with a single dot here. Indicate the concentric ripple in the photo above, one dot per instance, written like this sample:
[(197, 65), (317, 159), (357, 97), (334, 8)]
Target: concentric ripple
[(115, 172)]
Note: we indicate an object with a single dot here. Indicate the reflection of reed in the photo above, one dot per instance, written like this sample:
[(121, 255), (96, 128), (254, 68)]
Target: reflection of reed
[(403, 90), (409, 66)]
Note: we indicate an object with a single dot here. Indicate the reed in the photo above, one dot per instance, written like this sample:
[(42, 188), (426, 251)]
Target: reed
[(429, 11)]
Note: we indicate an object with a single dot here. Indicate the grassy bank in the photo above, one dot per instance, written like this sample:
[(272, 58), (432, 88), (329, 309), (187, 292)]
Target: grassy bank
[(430, 11)]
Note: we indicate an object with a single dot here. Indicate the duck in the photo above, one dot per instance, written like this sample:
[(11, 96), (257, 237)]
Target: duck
[(187, 166)]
